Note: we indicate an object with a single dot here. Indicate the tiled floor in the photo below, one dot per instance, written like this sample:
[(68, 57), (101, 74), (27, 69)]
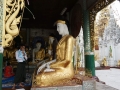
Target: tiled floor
[(111, 77)]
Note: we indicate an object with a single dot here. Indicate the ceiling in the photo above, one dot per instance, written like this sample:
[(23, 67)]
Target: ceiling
[(46, 12)]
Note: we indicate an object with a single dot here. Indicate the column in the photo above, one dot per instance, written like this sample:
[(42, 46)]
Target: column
[(1, 66), (1, 48), (89, 56)]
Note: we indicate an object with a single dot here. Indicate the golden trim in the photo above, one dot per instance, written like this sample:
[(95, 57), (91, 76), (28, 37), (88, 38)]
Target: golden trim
[(93, 11), (60, 21)]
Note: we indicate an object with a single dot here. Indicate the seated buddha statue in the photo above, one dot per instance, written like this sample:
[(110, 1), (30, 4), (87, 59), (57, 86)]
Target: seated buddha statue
[(51, 53), (38, 53), (9, 53), (104, 62), (60, 70)]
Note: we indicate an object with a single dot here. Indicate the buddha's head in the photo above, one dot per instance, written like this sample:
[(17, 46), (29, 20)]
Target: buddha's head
[(62, 27), (38, 44), (51, 38)]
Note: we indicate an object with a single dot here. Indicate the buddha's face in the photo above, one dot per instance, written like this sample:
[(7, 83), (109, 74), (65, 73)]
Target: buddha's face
[(38, 45), (51, 40), (60, 28)]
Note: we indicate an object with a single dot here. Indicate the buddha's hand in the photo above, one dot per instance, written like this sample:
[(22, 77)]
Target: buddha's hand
[(46, 65), (48, 69)]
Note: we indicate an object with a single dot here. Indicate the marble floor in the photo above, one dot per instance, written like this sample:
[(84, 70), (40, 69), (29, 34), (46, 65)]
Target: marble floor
[(111, 77)]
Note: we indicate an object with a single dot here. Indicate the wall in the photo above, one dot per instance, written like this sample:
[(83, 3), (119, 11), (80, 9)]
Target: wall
[(29, 33)]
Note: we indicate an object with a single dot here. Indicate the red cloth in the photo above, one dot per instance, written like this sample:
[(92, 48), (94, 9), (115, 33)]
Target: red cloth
[(8, 72)]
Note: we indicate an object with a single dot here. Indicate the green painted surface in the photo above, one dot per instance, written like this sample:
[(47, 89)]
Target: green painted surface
[(86, 28), (90, 64), (86, 31), (1, 66), (89, 59)]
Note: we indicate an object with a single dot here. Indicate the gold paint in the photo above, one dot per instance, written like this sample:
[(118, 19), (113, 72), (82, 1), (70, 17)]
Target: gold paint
[(40, 55), (11, 20), (50, 57), (78, 64), (63, 66), (100, 4), (88, 73), (9, 53), (60, 21), (104, 62), (118, 63)]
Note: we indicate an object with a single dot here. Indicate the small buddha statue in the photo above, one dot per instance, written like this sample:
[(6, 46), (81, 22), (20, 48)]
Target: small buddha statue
[(60, 70), (118, 64), (9, 53), (104, 62), (38, 53), (52, 47)]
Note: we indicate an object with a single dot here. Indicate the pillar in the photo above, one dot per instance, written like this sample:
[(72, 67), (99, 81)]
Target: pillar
[(89, 56), (1, 65), (1, 48)]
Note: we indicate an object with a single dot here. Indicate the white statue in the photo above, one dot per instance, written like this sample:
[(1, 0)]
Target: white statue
[(62, 68), (38, 46), (62, 30), (80, 45)]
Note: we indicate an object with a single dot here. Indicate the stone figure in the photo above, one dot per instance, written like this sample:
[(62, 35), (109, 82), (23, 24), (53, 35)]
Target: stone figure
[(38, 53), (61, 69)]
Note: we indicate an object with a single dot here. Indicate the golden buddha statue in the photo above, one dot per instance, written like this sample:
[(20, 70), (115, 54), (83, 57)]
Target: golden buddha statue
[(51, 53), (38, 53), (118, 64), (104, 62), (60, 70), (9, 53)]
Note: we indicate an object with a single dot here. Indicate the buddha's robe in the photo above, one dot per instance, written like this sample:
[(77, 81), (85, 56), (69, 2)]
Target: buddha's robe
[(63, 66)]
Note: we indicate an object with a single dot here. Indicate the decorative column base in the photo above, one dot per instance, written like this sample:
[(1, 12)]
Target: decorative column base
[(90, 64)]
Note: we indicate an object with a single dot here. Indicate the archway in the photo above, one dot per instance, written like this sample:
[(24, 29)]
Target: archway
[(106, 41)]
